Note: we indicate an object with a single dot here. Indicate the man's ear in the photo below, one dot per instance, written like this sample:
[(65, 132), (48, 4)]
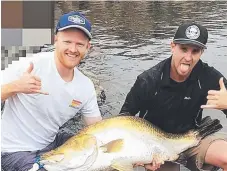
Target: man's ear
[(88, 45), (55, 38), (172, 45), (202, 51)]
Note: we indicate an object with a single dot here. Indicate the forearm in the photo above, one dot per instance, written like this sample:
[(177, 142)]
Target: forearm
[(8, 90), (91, 120), (135, 98), (126, 111), (130, 106)]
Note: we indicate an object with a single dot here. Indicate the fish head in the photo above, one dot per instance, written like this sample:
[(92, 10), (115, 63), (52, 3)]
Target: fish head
[(79, 153)]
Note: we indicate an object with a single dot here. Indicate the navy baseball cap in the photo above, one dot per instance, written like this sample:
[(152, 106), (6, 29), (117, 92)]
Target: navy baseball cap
[(74, 20), (191, 33)]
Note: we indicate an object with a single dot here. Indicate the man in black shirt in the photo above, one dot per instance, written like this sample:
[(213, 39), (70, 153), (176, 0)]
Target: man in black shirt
[(170, 96)]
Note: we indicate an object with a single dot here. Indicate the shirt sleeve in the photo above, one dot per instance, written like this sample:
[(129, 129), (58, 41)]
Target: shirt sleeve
[(134, 99), (91, 108)]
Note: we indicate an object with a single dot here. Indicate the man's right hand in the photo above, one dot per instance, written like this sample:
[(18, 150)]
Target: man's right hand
[(152, 166), (29, 83)]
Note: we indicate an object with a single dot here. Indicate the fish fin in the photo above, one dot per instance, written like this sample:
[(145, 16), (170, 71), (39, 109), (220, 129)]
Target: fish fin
[(113, 146), (122, 165), (182, 159), (207, 127)]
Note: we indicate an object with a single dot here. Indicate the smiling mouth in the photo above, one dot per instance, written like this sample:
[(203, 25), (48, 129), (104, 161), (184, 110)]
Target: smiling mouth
[(72, 56)]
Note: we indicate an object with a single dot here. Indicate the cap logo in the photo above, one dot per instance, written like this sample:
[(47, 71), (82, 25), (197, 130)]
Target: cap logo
[(192, 32), (76, 19)]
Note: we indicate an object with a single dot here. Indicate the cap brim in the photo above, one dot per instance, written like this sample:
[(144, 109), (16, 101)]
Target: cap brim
[(189, 42), (79, 27)]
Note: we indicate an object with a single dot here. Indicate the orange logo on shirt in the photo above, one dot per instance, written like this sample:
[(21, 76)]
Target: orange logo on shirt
[(75, 103)]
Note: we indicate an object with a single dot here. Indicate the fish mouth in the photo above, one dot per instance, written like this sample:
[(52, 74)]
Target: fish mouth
[(52, 165), (71, 158), (65, 165), (48, 162), (55, 168)]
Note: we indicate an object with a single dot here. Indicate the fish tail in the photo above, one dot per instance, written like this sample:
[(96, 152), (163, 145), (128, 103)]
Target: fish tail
[(207, 127)]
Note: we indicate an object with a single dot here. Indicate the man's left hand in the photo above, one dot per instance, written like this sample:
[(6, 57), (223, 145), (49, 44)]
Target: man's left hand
[(217, 99)]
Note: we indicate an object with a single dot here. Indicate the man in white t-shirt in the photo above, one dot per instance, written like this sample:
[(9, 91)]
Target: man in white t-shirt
[(44, 91)]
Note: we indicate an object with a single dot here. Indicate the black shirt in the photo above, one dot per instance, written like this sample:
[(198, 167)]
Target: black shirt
[(174, 107)]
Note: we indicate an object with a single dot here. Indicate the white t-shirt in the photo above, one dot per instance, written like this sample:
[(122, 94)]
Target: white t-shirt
[(31, 121)]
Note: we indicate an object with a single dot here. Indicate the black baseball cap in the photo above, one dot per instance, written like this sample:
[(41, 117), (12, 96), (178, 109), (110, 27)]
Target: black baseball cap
[(191, 33)]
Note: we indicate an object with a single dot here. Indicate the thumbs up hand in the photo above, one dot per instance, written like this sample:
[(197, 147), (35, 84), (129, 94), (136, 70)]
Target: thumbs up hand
[(217, 99), (29, 83), (30, 68)]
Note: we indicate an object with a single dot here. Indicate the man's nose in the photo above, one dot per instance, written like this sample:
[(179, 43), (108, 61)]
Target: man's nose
[(73, 48), (188, 56)]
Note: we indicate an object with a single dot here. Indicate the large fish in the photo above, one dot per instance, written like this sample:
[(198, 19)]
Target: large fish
[(120, 142)]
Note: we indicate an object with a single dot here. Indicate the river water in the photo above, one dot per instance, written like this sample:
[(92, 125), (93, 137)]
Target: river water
[(130, 37)]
